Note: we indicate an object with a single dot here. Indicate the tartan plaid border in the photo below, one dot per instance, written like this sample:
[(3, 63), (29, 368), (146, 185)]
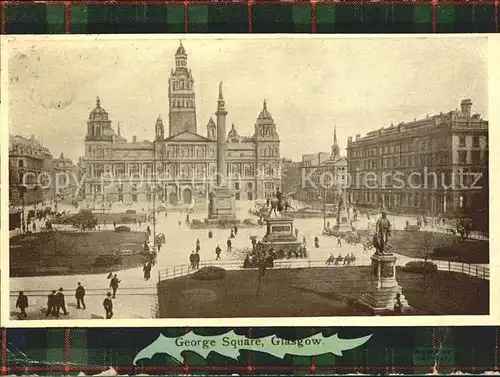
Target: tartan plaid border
[(49, 351), (251, 16)]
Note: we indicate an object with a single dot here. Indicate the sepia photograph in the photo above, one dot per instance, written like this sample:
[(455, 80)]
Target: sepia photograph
[(222, 177)]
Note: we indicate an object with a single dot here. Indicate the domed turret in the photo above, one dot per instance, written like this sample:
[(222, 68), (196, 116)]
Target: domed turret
[(265, 114), (98, 113), (180, 50), (233, 136)]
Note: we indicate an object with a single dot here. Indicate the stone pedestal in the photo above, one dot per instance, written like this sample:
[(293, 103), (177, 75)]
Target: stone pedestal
[(224, 207), (280, 236), (380, 295), (343, 222)]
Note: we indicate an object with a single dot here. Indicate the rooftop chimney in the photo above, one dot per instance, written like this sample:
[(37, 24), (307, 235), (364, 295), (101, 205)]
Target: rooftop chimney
[(358, 136), (349, 139), (134, 139)]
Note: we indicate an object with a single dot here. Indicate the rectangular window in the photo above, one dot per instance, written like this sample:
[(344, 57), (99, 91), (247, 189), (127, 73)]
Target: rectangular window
[(120, 197), (236, 185), (461, 141), (475, 141), (462, 157), (134, 198), (476, 157)]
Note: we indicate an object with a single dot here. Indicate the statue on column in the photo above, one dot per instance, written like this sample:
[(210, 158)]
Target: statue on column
[(381, 236)]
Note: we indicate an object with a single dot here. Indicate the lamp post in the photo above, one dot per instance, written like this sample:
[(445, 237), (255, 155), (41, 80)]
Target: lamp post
[(153, 192), (324, 208)]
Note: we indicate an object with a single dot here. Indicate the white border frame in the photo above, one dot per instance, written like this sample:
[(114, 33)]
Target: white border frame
[(494, 119)]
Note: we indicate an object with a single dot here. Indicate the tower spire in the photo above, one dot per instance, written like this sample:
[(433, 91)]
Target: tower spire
[(335, 145), (98, 102), (119, 133)]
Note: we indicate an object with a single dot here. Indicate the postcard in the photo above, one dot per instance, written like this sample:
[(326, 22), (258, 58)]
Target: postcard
[(224, 179)]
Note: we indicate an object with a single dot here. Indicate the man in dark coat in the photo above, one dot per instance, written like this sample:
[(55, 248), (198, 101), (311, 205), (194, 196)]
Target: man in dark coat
[(192, 260), (51, 305), (79, 295), (217, 252), (115, 282), (147, 271), (61, 302), (22, 304), (108, 306), (197, 260), (229, 245)]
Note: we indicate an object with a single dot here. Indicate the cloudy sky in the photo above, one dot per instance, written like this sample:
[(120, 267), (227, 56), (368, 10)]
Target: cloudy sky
[(309, 84)]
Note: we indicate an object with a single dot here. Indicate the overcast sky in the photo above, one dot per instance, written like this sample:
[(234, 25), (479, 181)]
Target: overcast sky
[(360, 84)]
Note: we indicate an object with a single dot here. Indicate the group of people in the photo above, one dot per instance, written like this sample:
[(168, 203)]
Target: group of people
[(348, 259), (56, 301), (194, 258)]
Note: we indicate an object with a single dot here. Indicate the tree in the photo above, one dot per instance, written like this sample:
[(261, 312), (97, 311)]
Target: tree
[(428, 245)]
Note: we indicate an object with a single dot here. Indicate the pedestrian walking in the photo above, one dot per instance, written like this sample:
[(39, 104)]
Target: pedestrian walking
[(115, 282), (108, 306), (192, 260), (232, 234), (397, 304), (316, 242), (22, 304), (61, 302), (147, 271), (210, 234), (296, 233), (217, 252), (229, 245), (51, 305), (339, 242), (235, 230), (80, 295), (197, 260), (148, 229)]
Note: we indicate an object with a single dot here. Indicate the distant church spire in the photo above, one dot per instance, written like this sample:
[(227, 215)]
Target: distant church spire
[(98, 102), (335, 146)]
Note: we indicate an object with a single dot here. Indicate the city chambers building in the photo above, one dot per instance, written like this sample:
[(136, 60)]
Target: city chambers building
[(423, 162), (180, 166)]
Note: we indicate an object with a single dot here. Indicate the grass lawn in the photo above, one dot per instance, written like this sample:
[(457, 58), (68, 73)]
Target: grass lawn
[(31, 254), (314, 292), (442, 246)]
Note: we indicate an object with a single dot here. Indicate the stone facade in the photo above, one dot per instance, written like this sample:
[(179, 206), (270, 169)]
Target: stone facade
[(323, 174), (66, 179), (31, 172), (444, 144), (183, 165)]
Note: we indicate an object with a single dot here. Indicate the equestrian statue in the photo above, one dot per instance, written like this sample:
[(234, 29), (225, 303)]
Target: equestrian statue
[(279, 204), (381, 236)]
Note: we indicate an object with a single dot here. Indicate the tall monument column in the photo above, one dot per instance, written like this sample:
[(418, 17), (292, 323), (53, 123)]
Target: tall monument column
[(221, 140), (221, 201)]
